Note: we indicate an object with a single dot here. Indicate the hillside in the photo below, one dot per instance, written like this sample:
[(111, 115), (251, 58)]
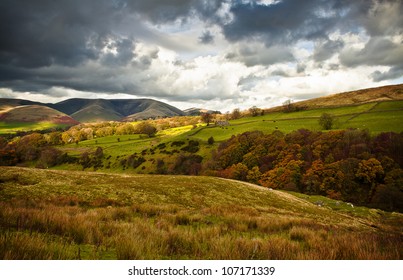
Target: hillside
[(385, 93), (35, 114), (78, 215), (91, 110), (98, 110), (8, 103)]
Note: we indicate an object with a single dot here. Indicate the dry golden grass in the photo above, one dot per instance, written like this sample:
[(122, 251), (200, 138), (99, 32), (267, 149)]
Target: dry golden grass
[(385, 93), (75, 215)]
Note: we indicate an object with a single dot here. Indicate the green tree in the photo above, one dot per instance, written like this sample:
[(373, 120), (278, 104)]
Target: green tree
[(254, 175), (326, 121)]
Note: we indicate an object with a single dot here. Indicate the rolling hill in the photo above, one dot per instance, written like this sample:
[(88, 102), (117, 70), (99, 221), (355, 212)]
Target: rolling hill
[(92, 110), (49, 214), (9, 103), (369, 95), (35, 114)]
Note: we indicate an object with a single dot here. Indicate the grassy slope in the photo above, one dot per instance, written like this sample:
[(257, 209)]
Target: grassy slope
[(387, 116), (13, 127), (68, 215), (368, 95)]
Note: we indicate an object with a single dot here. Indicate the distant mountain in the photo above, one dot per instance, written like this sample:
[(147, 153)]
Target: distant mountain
[(96, 110), (88, 110), (35, 114), (385, 93), (93, 110)]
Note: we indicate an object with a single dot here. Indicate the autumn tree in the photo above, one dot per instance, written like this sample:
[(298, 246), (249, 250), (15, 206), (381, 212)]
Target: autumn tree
[(254, 111), (146, 128), (254, 175), (285, 176), (50, 157), (389, 195), (207, 117), (124, 129), (236, 114)]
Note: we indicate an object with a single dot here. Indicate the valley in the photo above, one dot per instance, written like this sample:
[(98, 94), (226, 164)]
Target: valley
[(274, 185)]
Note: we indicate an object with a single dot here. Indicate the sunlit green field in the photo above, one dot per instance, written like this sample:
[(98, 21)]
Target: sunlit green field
[(11, 128), (376, 117)]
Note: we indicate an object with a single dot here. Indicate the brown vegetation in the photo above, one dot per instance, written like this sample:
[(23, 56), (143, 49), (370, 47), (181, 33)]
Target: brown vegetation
[(73, 215), (385, 93)]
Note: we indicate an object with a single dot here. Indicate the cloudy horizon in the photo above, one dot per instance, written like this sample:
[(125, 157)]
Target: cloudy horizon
[(214, 54)]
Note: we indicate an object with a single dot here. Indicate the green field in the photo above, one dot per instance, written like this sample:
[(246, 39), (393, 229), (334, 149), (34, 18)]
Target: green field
[(79, 215), (376, 117), (11, 128)]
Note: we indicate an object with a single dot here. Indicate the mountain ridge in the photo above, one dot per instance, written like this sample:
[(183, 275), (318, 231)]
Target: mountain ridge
[(98, 110)]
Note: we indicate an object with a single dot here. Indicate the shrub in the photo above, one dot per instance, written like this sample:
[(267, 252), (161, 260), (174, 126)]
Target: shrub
[(326, 121)]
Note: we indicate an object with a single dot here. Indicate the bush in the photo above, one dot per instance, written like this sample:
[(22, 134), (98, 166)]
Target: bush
[(326, 121), (192, 147)]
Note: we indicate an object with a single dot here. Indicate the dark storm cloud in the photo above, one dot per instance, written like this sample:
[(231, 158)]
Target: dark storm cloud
[(291, 20), (47, 33), (377, 51), (394, 73), (40, 33), (160, 11), (122, 55), (206, 37), (328, 48), (89, 45), (256, 54), (283, 22), (163, 11)]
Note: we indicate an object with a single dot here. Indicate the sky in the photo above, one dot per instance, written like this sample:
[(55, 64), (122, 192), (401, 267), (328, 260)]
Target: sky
[(213, 54)]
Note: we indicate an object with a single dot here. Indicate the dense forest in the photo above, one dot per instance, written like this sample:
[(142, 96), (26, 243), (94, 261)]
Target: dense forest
[(347, 165)]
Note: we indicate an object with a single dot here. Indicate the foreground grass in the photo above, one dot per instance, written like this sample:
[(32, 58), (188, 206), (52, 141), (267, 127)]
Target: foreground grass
[(77, 215)]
